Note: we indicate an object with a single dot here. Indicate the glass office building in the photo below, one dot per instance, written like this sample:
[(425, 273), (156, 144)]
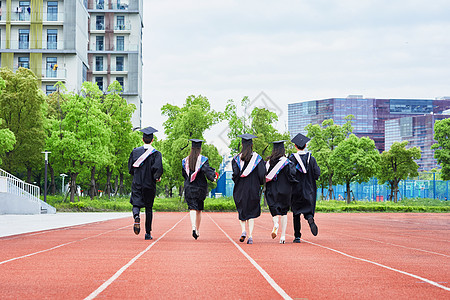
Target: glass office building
[(419, 132), (370, 113)]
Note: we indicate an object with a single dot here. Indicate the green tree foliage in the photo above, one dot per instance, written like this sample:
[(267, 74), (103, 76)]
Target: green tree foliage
[(442, 147), (81, 138), (22, 111), (182, 124), (7, 138), (398, 164), (259, 122), (354, 159), (324, 140)]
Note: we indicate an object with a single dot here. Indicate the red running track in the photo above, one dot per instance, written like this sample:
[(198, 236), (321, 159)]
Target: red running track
[(355, 256)]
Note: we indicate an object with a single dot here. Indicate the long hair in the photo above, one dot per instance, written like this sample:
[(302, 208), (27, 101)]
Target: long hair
[(247, 151), (195, 152), (275, 156)]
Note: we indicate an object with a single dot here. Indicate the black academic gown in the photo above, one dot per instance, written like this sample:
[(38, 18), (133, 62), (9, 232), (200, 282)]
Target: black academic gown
[(143, 188), (195, 192), (278, 190), (247, 190), (304, 193)]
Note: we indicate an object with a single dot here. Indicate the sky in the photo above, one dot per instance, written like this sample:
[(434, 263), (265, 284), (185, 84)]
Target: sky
[(281, 52)]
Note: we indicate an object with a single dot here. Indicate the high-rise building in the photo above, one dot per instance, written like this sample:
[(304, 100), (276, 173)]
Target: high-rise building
[(370, 114), (73, 41), (419, 132)]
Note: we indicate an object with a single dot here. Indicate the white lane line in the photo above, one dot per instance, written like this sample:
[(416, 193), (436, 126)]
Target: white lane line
[(121, 270), (61, 245), (266, 276), (383, 266), (401, 246)]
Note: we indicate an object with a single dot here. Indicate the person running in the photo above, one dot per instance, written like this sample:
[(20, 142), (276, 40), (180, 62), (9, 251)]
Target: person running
[(248, 176), (304, 194), (145, 165), (195, 171), (280, 175)]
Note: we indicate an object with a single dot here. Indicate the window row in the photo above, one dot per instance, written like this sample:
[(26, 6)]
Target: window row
[(99, 81), (120, 23), (51, 67), (23, 11), (24, 39), (100, 43), (119, 66)]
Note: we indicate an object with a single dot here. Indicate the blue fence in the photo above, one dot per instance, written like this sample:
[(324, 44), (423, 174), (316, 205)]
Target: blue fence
[(368, 191)]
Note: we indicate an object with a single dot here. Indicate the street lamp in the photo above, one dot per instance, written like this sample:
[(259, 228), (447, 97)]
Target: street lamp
[(45, 182), (62, 186)]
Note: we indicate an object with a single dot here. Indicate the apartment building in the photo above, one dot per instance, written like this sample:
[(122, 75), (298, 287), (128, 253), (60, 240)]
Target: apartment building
[(75, 41)]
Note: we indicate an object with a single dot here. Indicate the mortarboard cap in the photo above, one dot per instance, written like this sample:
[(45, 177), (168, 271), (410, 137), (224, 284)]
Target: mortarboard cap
[(148, 130), (247, 138), (278, 144), (300, 140), (196, 143)]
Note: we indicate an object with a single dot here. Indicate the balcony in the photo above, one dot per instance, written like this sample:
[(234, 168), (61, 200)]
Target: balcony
[(54, 76), (110, 5), (25, 45), (94, 47)]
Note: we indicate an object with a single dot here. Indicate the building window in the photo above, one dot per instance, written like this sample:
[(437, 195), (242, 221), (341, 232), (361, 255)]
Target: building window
[(24, 38), (24, 10), (119, 63), (100, 4), (50, 89), (52, 38), (52, 67), (120, 80), (84, 73), (100, 22), (99, 63), (122, 4), (24, 62), (99, 43), (52, 11), (99, 82), (120, 41), (120, 23)]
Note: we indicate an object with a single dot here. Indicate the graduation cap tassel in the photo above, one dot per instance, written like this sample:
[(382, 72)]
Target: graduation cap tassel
[(181, 149), (264, 151)]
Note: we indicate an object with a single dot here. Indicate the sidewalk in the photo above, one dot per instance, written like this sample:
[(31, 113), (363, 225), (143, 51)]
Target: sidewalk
[(18, 224)]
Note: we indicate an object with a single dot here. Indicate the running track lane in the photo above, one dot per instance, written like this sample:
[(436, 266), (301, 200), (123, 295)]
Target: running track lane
[(177, 266)]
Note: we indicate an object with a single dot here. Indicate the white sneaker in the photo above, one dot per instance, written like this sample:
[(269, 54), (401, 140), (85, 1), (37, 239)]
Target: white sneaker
[(282, 239)]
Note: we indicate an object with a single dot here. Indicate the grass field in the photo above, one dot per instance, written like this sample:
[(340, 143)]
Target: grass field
[(227, 204)]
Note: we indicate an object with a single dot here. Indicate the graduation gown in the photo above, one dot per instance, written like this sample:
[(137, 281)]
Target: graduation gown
[(195, 192), (278, 190), (143, 187), (247, 190), (304, 193)]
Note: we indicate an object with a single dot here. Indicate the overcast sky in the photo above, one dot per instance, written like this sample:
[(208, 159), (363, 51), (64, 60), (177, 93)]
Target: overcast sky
[(292, 51)]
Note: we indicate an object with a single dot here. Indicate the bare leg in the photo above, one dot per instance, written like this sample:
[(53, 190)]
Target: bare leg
[(275, 226), (193, 216), (251, 225)]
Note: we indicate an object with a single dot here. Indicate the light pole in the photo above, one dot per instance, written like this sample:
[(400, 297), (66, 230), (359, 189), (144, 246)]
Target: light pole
[(45, 182), (62, 186)]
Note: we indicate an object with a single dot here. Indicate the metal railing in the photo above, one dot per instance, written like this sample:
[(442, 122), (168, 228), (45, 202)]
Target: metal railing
[(13, 185)]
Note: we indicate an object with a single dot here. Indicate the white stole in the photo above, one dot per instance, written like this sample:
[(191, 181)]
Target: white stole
[(144, 155), (275, 169), (250, 165)]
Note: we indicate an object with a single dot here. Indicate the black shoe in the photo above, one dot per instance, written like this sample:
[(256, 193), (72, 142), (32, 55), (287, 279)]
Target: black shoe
[(313, 226), (243, 236), (194, 234), (137, 225), (148, 236), (297, 240)]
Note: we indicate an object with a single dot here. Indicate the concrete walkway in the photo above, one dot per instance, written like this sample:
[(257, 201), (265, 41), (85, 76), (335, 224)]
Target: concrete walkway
[(18, 224)]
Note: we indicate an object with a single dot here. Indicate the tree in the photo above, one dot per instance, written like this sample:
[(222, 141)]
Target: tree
[(184, 123), (324, 140), (354, 159), (442, 147), (7, 137), (398, 164), (22, 112)]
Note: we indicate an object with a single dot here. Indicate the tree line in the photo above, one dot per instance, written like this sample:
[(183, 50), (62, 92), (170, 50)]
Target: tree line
[(90, 136)]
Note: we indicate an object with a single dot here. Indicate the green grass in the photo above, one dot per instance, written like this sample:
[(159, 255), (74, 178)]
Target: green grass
[(227, 204)]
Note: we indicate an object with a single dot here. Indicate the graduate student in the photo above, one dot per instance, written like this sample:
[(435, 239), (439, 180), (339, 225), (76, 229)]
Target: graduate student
[(248, 176), (145, 165), (196, 170), (304, 193), (280, 175)]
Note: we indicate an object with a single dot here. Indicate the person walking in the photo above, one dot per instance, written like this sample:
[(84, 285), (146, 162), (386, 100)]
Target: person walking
[(304, 194), (196, 170), (280, 175), (248, 176), (145, 165)]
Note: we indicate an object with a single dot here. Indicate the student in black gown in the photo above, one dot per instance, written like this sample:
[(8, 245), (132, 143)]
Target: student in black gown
[(145, 165), (196, 170), (248, 176), (280, 176), (304, 193)]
